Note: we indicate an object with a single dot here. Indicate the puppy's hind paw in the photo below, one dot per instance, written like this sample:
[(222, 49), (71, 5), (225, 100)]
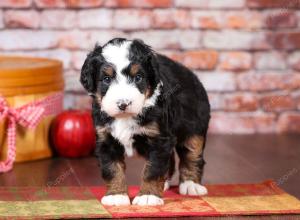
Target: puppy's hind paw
[(150, 200), (191, 188), (116, 200)]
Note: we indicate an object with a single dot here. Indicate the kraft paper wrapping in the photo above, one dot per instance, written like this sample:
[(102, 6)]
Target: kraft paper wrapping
[(31, 144)]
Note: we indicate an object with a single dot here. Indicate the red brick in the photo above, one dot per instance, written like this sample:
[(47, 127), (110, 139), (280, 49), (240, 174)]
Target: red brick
[(27, 40), (240, 102), (60, 54), (162, 39), (289, 122), (206, 20), (281, 19), (95, 18), (202, 59), (68, 3), (139, 3), (21, 19), (174, 55), (190, 39), (60, 19), (235, 61), (235, 102), (236, 21), (102, 36), (128, 19), (78, 58), (272, 103), (268, 81), (163, 19), (72, 83), (15, 3), (293, 82), (294, 60), (273, 4), (182, 18), (296, 97), (226, 4), (168, 19), (235, 40), (217, 81), (75, 40), (191, 3), (216, 101), (77, 101), (243, 20), (86, 40), (159, 39), (270, 61), (285, 40), (1, 20), (232, 123)]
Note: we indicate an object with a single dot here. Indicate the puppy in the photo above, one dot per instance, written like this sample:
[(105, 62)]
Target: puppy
[(146, 103)]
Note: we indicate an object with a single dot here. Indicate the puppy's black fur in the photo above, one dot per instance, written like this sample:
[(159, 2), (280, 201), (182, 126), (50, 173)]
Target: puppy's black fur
[(181, 111)]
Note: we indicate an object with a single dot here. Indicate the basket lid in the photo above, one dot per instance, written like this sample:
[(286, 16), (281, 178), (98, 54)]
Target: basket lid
[(20, 67), (26, 75), (53, 87)]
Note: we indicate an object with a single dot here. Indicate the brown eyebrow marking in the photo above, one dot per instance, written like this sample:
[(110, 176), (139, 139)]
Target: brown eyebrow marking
[(134, 69), (109, 71)]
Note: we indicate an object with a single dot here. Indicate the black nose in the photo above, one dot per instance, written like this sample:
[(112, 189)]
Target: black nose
[(122, 106)]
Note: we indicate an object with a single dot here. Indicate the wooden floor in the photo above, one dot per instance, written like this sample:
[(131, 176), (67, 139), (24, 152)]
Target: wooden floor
[(230, 159)]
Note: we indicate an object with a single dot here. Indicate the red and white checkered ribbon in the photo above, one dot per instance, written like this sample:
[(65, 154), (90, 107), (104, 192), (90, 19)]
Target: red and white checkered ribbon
[(27, 116)]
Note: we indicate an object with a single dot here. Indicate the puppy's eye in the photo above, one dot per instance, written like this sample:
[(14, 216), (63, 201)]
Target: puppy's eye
[(138, 78), (106, 80)]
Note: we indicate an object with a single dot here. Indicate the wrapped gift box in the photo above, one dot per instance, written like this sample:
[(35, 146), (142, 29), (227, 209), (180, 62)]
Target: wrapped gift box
[(31, 93)]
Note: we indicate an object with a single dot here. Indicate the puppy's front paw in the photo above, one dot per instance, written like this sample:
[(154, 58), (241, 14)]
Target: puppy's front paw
[(117, 200), (166, 185), (191, 188), (147, 200)]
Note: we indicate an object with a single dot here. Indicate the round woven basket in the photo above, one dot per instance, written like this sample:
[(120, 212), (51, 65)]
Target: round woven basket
[(24, 81)]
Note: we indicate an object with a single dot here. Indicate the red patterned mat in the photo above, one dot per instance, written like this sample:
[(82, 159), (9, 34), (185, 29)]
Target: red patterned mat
[(83, 202)]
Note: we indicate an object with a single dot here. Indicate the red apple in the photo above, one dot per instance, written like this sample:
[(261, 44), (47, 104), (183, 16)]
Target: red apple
[(73, 133)]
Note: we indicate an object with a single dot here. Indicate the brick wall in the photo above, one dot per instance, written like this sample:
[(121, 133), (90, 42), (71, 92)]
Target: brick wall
[(246, 52)]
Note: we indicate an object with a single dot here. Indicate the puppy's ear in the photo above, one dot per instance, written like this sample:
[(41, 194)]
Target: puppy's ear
[(140, 50), (90, 69), (155, 67), (144, 54)]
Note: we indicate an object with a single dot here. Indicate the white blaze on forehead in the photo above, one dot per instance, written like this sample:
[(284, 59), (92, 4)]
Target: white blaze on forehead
[(121, 88), (117, 54)]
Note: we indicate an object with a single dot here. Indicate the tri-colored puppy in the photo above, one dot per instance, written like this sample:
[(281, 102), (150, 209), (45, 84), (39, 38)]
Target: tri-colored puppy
[(146, 103)]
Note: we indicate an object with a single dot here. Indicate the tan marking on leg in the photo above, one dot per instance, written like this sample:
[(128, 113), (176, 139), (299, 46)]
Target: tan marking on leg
[(188, 166), (152, 187), (151, 129), (118, 184), (102, 133), (195, 146)]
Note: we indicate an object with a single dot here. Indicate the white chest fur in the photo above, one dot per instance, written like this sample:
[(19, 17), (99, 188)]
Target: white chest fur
[(123, 130)]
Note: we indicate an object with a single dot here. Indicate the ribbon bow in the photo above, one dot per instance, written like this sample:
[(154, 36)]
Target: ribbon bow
[(27, 116)]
